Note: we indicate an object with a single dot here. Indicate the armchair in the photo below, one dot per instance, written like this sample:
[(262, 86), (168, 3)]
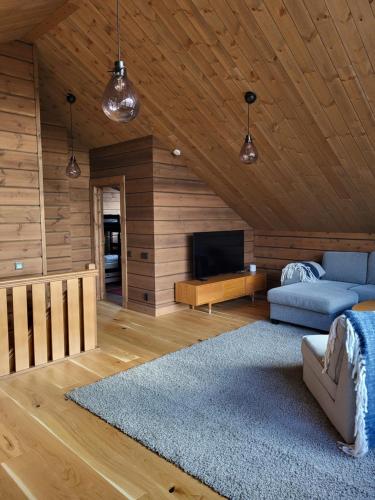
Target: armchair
[(334, 388)]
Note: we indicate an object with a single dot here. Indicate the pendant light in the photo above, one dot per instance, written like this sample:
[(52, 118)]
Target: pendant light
[(249, 153), (72, 170), (120, 100)]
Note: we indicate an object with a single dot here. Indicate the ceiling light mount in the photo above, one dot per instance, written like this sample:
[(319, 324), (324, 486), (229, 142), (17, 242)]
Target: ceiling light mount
[(71, 98), (250, 97)]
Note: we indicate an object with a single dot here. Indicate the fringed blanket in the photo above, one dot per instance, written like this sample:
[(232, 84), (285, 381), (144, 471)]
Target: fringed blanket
[(303, 271), (360, 347)]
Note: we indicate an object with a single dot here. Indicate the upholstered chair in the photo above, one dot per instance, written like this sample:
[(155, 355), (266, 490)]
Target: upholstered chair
[(333, 388)]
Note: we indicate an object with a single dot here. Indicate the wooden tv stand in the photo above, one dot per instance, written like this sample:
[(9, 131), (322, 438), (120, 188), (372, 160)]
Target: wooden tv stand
[(219, 289)]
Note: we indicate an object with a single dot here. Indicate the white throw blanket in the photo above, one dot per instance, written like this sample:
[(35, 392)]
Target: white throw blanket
[(305, 273), (357, 357)]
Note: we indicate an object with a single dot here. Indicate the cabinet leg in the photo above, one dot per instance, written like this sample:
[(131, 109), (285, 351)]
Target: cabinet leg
[(253, 297), (192, 307), (209, 308)]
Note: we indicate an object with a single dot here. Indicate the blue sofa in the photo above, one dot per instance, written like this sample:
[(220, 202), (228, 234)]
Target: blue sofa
[(349, 279)]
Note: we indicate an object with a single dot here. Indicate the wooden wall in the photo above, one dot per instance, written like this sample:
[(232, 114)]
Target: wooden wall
[(183, 204), (67, 204), (165, 204), (134, 160), (275, 249), (111, 201), (21, 190)]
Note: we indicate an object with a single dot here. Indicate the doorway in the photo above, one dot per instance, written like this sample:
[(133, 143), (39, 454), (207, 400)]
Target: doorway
[(109, 241)]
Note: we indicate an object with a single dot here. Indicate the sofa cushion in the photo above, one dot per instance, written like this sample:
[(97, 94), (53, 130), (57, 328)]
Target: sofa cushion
[(338, 284), (313, 350), (346, 266), (317, 296), (317, 344), (365, 292), (371, 269)]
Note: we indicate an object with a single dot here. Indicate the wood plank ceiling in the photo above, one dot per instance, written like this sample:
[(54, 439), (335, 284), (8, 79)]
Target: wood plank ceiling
[(310, 62), (19, 17)]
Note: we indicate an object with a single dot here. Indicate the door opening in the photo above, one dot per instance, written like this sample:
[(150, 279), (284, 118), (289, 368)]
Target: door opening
[(112, 244), (109, 229)]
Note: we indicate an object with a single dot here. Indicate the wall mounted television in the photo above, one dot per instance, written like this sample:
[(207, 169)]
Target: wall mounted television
[(217, 252)]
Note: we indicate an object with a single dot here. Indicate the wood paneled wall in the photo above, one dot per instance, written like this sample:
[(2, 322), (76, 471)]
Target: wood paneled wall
[(275, 249), (134, 160), (67, 204), (165, 204), (111, 201), (21, 190), (183, 204)]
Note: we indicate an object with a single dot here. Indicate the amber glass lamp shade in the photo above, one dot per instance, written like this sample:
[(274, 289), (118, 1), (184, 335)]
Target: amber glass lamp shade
[(72, 170), (120, 99), (248, 153)]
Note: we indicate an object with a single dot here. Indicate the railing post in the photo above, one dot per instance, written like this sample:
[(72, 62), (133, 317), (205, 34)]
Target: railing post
[(4, 336), (89, 312), (39, 323)]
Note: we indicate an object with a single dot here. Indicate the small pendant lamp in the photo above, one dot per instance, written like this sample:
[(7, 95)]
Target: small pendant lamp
[(72, 170), (249, 153), (120, 99)]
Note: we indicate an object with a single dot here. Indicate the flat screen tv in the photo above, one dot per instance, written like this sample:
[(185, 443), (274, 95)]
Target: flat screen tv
[(217, 252)]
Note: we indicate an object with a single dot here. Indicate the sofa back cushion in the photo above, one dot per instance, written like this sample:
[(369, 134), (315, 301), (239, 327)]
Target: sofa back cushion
[(345, 266), (371, 269)]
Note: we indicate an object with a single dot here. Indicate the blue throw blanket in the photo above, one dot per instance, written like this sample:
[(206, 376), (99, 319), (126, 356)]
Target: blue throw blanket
[(360, 346)]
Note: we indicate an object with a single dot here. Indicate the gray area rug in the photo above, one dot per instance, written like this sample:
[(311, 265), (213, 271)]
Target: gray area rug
[(233, 411)]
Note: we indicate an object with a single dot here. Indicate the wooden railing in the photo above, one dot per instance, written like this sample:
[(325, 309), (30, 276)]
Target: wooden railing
[(46, 318)]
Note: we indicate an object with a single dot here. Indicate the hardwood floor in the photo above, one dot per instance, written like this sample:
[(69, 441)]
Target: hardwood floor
[(51, 448)]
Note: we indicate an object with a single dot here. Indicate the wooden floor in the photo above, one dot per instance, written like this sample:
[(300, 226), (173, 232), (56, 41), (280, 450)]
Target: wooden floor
[(51, 448)]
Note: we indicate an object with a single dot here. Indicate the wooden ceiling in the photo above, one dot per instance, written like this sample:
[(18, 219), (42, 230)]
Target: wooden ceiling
[(311, 64), (18, 18)]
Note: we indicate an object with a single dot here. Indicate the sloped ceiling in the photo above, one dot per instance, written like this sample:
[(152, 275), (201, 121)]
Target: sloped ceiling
[(19, 17), (311, 64)]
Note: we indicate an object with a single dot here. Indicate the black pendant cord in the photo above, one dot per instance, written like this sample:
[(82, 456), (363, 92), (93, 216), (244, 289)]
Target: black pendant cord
[(118, 29), (248, 119), (71, 129)]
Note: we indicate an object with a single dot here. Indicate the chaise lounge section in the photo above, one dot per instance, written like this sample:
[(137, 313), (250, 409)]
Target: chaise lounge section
[(349, 278)]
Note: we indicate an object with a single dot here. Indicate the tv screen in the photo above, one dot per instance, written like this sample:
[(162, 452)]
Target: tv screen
[(217, 252)]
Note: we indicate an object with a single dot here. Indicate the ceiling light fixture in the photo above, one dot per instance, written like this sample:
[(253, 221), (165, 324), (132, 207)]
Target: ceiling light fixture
[(249, 153), (120, 99), (72, 170)]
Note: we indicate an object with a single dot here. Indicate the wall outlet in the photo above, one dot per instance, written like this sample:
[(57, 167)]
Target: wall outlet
[(18, 266), (129, 253), (144, 255), (145, 296)]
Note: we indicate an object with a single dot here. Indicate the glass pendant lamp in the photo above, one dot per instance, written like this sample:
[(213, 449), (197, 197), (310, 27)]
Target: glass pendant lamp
[(120, 99), (249, 153), (72, 170)]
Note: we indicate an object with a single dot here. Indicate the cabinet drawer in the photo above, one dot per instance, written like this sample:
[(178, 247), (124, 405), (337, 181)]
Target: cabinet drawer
[(185, 293), (209, 293), (255, 283), (234, 288)]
